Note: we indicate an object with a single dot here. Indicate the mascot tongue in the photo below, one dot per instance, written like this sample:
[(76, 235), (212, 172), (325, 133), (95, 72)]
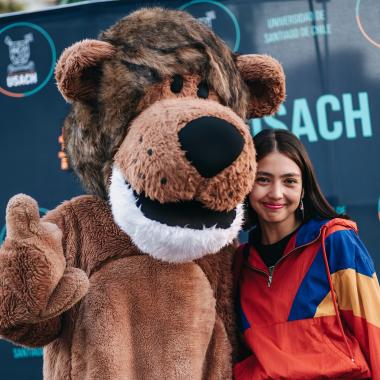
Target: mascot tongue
[(191, 214), (174, 232)]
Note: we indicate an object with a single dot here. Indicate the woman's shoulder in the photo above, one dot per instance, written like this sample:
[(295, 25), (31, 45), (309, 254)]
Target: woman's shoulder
[(345, 248), (314, 228), (340, 224)]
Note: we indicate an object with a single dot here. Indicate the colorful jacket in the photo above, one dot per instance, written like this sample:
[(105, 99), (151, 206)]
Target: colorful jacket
[(289, 317)]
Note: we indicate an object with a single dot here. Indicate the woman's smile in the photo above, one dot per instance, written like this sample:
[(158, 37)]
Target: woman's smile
[(277, 193), (273, 206)]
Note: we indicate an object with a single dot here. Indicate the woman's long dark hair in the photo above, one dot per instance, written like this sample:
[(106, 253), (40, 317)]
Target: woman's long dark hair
[(280, 140)]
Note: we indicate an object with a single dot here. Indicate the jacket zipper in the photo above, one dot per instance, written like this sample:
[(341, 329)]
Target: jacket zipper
[(272, 268)]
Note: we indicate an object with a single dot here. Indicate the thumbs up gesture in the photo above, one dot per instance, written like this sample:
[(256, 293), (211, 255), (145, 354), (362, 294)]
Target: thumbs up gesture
[(23, 221), (35, 282)]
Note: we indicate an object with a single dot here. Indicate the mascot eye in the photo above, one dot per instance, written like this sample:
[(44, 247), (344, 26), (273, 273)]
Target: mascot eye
[(177, 84), (203, 90)]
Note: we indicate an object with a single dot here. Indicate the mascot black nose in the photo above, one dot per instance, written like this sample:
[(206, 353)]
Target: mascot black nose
[(210, 144)]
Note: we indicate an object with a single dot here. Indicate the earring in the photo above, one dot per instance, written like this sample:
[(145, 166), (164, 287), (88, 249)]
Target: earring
[(301, 208)]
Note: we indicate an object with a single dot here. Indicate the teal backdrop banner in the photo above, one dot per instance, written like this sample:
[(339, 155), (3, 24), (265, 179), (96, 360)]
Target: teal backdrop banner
[(330, 50)]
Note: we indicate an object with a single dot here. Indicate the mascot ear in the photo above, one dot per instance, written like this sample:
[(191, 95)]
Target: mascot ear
[(265, 79), (77, 71)]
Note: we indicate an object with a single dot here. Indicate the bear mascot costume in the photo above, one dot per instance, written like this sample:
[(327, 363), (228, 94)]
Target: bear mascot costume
[(134, 279)]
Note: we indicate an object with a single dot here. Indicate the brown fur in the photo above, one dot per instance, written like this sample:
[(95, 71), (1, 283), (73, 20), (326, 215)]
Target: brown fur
[(80, 60), (138, 74), (74, 281), (122, 319), (183, 46), (266, 82), (32, 252), (162, 91), (167, 159)]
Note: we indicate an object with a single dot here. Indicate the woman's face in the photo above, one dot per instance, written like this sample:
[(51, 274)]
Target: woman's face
[(277, 191)]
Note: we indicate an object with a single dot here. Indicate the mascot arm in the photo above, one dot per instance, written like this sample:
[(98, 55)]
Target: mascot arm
[(218, 269), (225, 297), (36, 285)]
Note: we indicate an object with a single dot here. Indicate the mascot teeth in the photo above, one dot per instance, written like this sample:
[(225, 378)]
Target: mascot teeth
[(142, 220)]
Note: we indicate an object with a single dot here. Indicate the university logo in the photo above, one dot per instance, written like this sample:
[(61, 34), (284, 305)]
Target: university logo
[(217, 17), (27, 61), (21, 69), (207, 20)]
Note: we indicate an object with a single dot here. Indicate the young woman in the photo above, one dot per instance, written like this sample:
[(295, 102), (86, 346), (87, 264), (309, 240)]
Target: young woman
[(308, 295)]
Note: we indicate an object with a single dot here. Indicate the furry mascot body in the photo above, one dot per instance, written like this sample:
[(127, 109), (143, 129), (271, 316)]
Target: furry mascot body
[(140, 287)]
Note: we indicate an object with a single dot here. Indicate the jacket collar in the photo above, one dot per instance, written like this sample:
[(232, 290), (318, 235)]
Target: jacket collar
[(309, 231), (306, 234)]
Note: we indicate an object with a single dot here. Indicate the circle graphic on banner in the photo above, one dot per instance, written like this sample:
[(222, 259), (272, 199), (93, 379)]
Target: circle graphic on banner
[(218, 18), (368, 6), (30, 59), (3, 231)]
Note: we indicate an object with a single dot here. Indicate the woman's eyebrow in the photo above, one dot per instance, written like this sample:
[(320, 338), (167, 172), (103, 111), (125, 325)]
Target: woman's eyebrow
[(291, 175), (264, 173), (283, 176)]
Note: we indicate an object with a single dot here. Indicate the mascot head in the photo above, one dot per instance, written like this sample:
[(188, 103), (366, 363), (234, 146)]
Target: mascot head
[(157, 126)]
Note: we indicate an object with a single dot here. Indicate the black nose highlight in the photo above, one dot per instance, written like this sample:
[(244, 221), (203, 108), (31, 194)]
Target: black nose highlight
[(210, 144)]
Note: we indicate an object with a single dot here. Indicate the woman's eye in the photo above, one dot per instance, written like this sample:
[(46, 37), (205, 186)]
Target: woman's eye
[(203, 90), (291, 181), (176, 84), (262, 179)]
